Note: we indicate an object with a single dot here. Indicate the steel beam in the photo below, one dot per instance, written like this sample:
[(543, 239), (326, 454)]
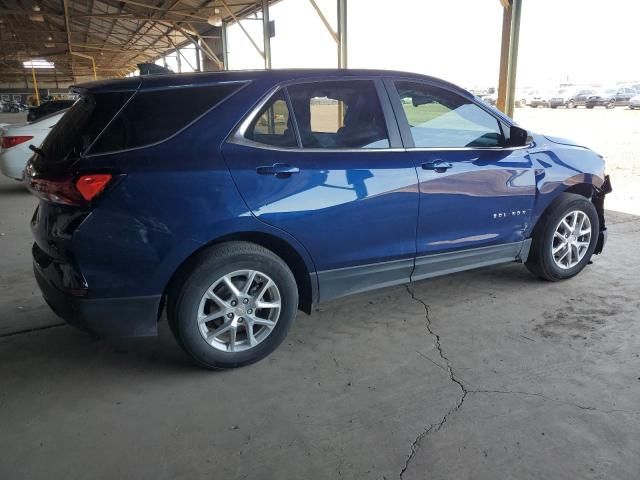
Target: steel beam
[(244, 30), (342, 33), (324, 20), (513, 55), (225, 46), (266, 34), (509, 57), (504, 59)]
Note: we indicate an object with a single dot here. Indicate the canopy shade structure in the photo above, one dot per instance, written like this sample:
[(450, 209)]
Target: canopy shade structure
[(114, 34), (87, 39)]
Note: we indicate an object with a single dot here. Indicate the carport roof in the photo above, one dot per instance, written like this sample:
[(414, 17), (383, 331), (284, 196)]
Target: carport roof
[(117, 33)]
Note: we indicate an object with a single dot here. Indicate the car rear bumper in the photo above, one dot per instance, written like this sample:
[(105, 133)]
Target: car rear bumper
[(105, 317), (12, 162)]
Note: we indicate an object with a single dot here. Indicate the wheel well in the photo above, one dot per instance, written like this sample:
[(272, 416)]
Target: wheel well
[(278, 246), (585, 189), (592, 193)]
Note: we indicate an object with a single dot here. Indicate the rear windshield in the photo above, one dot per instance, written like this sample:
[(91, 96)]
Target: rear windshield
[(81, 125), (153, 116)]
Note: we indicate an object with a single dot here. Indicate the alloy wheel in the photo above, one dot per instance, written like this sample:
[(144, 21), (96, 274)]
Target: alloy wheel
[(239, 310), (571, 239)]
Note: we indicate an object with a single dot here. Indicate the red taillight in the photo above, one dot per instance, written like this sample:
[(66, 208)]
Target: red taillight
[(90, 186), (67, 191), (12, 141)]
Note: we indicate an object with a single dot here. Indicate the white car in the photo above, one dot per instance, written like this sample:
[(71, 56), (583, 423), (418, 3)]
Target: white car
[(634, 102), (15, 140)]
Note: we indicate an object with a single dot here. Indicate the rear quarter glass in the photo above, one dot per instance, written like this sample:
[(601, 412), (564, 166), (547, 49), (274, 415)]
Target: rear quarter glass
[(77, 129), (153, 116)]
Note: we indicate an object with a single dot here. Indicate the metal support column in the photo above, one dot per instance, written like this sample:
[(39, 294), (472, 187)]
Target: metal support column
[(504, 58), (509, 55), (35, 85), (513, 54), (225, 48), (342, 33), (266, 34), (198, 61)]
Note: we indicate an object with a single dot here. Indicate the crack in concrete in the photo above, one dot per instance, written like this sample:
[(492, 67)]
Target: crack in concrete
[(435, 427), (452, 376), (31, 330)]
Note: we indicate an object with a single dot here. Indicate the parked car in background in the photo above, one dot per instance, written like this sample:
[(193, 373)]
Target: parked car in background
[(491, 99), (15, 140), (571, 97), (47, 108), (610, 97), (539, 99), (265, 192), (17, 107), (560, 97), (634, 102), (523, 96)]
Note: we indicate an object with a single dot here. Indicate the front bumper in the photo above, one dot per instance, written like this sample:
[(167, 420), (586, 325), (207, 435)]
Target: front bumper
[(599, 203), (105, 317)]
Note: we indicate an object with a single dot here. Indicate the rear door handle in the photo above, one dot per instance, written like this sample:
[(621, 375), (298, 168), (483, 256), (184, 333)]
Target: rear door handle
[(439, 166), (280, 170)]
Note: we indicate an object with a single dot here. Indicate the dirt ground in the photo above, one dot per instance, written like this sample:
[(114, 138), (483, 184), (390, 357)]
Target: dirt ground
[(488, 374)]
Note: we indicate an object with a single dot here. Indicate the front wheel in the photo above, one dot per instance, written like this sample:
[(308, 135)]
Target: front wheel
[(611, 104), (564, 239), (571, 104), (233, 305)]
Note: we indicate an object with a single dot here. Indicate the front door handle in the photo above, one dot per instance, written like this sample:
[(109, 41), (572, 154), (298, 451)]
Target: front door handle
[(440, 166), (280, 170)]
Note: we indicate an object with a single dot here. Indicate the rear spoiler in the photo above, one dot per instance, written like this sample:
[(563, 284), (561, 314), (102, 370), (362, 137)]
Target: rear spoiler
[(153, 69)]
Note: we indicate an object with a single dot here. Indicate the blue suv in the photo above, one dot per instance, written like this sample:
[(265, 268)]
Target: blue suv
[(230, 200)]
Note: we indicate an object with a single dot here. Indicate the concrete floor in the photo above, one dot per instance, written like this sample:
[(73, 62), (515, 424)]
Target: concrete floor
[(489, 374)]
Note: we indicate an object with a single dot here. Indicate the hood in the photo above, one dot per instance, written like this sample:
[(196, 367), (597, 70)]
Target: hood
[(564, 141)]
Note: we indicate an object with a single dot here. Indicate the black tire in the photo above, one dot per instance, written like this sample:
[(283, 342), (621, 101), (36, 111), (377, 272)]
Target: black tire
[(553, 106), (540, 261), (201, 272), (589, 106), (611, 104)]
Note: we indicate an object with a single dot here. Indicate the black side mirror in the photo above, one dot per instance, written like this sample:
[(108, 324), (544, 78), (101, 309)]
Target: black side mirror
[(518, 137)]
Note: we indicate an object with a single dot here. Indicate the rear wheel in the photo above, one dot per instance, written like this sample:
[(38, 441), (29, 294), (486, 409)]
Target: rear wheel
[(233, 305), (564, 239)]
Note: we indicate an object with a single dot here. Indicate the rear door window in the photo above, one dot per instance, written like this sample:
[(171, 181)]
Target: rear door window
[(273, 125), (339, 115), (154, 116)]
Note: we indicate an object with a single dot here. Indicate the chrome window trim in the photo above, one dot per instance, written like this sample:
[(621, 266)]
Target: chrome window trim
[(238, 136)]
